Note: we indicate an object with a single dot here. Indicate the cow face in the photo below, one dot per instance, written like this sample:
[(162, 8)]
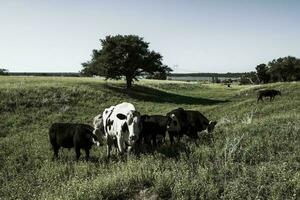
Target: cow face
[(99, 129), (173, 123), (132, 124), (211, 126)]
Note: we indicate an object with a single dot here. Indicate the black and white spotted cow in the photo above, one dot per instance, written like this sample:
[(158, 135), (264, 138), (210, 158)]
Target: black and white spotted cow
[(121, 124), (187, 122)]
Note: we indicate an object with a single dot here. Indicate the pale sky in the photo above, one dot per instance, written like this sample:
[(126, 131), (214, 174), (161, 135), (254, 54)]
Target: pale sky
[(195, 36)]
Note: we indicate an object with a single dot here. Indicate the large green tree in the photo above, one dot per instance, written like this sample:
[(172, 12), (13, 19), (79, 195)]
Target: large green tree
[(124, 56)]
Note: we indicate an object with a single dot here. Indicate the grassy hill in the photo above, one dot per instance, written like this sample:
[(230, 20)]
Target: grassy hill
[(254, 152)]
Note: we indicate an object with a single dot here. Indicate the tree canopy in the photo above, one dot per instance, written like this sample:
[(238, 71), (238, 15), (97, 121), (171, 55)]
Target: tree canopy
[(125, 56), (281, 69)]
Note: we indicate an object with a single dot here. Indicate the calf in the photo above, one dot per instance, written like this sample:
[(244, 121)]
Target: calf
[(153, 126), (69, 135), (267, 93), (100, 132), (187, 122)]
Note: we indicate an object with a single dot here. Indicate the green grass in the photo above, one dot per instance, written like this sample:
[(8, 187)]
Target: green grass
[(254, 152)]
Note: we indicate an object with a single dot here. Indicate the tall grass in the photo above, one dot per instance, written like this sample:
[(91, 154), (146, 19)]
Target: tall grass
[(253, 154)]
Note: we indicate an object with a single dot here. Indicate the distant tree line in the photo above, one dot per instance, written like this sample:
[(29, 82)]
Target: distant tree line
[(225, 75), (64, 74)]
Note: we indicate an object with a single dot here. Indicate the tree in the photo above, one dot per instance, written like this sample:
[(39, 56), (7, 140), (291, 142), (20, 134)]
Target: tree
[(124, 56), (263, 73), (3, 71), (285, 69)]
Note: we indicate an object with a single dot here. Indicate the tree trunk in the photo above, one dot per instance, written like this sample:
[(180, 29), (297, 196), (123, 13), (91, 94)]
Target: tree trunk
[(128, 82)]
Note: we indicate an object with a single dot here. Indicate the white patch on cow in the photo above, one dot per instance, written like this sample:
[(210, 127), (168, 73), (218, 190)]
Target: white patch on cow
[(174, 125), (211, 126)]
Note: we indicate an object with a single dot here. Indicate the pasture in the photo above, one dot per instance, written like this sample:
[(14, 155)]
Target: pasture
[(254, 152)]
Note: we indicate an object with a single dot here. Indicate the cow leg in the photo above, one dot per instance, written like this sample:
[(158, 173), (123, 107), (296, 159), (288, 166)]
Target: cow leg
[(192, 132), (108, 148), (154, 141), (130, 149), (87, 153), (55, 149), (171, 138), (77, 150), (116, 147), (178, 139), (120, 145)]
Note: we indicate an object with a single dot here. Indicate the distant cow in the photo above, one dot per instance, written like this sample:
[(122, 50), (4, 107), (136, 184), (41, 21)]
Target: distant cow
[(69, 135), (153, 126), (187, 122), (267, 93), (121, 123)]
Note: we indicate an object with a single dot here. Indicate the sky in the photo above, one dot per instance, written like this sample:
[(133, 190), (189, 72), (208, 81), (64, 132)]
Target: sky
[(192, 36)]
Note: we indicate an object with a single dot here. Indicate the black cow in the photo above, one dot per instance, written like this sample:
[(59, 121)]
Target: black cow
[(152, 127), (187, 122), (69, 135), (267, 93)]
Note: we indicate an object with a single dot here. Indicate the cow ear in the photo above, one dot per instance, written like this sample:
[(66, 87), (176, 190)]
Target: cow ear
[(121, 116)]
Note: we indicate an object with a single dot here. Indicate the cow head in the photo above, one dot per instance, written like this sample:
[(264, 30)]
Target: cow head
[(132, 125), (279, 93), (176, 120), (211, 126), (99, 129)]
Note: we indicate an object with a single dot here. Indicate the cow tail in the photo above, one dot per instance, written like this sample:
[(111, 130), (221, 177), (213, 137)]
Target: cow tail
[(52, 137)]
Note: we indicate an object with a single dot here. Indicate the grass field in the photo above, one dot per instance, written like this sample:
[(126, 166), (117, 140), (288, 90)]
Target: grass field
[(254, 152)]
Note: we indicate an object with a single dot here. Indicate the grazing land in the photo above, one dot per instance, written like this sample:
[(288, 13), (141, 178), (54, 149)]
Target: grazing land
[(254, 152)]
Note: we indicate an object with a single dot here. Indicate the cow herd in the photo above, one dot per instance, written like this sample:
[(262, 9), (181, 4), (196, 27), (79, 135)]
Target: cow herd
[(123, 127)]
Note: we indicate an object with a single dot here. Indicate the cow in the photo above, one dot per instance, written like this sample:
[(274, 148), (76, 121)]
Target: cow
[(100, 132), (153, 126), (99, 128), (187, 122), (121, 123), (267, 93), (69, 135)]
